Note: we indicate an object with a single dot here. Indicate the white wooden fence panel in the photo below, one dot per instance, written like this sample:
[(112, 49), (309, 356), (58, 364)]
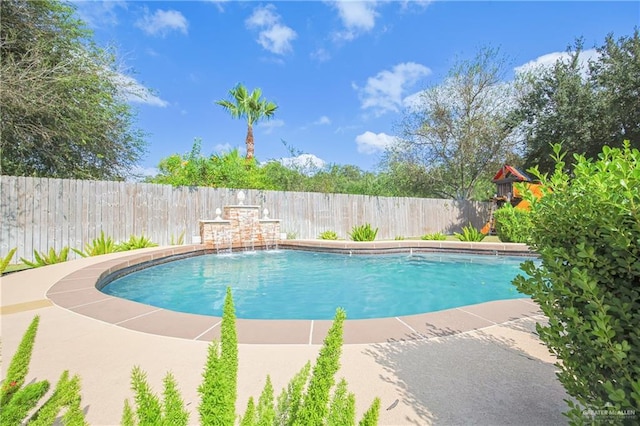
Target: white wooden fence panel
[(40, 213)]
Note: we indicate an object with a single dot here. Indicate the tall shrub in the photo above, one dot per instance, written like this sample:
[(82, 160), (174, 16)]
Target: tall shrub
[(149, 410), (18, 400), (587, 232), (307, 398), (513, 225), (218, 390), (315, 405), (305, 401)]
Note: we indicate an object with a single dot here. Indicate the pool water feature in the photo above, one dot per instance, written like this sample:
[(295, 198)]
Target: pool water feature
[(291, 284)]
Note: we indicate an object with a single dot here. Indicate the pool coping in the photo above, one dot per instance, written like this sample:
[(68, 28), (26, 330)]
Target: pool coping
[(78, 292)]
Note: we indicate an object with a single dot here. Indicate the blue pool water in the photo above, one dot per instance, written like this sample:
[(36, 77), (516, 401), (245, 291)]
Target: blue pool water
[(286, 284)]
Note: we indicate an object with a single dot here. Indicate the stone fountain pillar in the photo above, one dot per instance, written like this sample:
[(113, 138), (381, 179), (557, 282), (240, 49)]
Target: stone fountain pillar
[(240, 226)]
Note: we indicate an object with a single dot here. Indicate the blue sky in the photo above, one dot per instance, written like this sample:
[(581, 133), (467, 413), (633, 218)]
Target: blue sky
[(340, 72)]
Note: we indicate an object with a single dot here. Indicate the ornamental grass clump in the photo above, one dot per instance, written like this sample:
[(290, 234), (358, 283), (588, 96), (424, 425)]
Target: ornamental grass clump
[(328, 235), (470, 234), (363, 233), (135, 243), (5, 261), (98, 246), (436, 236), (587, 233), (43, 258)]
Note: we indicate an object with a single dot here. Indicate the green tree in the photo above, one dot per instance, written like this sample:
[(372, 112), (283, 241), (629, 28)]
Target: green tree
[(250, 106), (63, 110), (282, 178), (616, 74), (583, 104), (559, 105), (457, 132), (404, 178)]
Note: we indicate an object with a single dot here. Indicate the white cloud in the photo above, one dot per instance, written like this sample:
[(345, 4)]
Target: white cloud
[(135, 92), (413, 100), (277, 39), (138, 173), (370, 143), (548, 60), (273, 36), (324, 120), (357, 17), (384, 92), (304, 163), (264, 16), (344, 129), (99, 13), (162, 22), (418, 5), (223, 147), (320, 55), (218, 4), (268, 126)]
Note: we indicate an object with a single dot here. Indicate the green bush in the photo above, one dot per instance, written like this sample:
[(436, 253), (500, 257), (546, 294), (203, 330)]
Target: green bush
[(43, 259), (363, 233), (17, 400), (587, 233), (4, 262), (436, 236), (469, 233), (328, 235), (512, 225), (399, 238)]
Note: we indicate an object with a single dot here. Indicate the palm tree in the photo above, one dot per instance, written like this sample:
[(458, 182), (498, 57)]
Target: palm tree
[(250, 106)]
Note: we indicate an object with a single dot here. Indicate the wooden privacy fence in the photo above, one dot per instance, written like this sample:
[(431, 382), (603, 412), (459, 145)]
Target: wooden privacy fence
[(41, 213)]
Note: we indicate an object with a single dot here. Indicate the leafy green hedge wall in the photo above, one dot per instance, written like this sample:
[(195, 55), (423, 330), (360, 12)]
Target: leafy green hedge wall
[(587, 232)]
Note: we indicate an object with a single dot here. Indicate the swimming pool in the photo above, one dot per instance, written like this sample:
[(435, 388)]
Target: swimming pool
[(291, 284)]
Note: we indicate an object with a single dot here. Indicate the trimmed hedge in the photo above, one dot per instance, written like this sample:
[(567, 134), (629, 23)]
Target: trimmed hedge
[(587, 232)]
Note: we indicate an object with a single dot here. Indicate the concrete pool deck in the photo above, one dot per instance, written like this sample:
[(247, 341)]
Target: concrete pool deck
[(479, 364)]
